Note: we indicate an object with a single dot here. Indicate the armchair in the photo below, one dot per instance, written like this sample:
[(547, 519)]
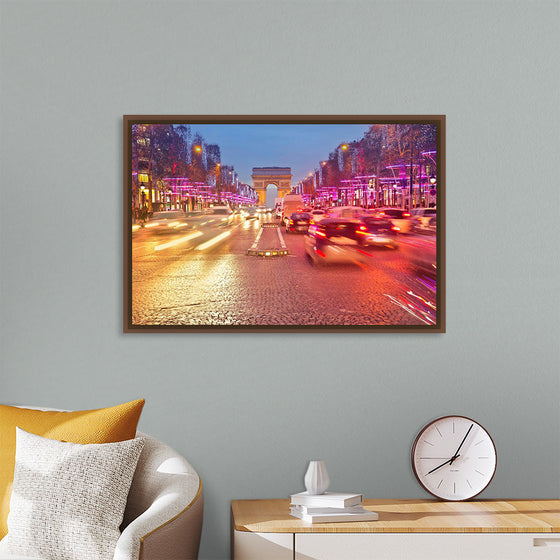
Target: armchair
[(163, 516)]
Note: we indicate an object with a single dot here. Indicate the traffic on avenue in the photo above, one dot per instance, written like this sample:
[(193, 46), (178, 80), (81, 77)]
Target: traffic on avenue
[(254, 266)]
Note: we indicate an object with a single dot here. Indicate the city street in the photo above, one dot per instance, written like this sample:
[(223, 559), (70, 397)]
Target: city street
[(201, 275)]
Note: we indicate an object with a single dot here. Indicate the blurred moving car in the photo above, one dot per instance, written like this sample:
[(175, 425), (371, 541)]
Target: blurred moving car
[(421, 252), (351, 212), (251, 214), (430, 227), (317, 214), (377, 231), (333, 240), (224, 213), (421, 217), (167, 221), (399, 218), (298, 221)]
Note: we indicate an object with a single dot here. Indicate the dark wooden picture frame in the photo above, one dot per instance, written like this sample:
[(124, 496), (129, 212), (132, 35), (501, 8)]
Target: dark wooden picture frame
[(160, 168)]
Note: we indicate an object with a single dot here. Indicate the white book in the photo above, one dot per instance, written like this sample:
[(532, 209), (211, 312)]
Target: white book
[(364, 515), (328, 499), (312, 509)]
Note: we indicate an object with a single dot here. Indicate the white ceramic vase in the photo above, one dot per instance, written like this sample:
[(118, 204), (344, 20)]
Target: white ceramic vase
[(316, 478)]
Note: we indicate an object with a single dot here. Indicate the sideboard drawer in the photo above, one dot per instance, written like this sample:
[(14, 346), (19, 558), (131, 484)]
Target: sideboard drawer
[(427, 546), (260, 546)]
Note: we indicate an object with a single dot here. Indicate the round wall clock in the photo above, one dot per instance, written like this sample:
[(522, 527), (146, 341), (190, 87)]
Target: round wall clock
[(454, 458)]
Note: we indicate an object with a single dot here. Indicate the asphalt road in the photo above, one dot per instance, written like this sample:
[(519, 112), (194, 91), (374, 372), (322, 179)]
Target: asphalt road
[(201, 275)]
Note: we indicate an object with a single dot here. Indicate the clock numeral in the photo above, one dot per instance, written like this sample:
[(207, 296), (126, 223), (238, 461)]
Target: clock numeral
[(429, 443), (484, 457), (454, 491), (438, 432), (479, 442), (479, 472), (469, 483), (440, 483)]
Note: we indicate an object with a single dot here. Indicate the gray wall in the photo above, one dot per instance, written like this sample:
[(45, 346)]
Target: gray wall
[(248, 423)]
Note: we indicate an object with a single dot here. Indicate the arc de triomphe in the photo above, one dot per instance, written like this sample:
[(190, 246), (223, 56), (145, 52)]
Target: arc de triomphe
[(281, 177)]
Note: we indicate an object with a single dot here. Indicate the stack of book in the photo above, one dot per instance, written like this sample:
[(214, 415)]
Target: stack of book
[(330, 507)]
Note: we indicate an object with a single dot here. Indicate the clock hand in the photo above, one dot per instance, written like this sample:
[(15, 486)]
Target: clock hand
[(446, 462), (460, 445)]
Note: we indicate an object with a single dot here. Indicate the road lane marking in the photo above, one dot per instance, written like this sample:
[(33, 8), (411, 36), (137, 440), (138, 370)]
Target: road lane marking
[(178, 241), (254, 246), (283, 245)]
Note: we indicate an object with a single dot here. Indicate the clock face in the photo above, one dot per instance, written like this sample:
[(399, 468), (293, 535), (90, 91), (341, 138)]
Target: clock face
[(454, 458)]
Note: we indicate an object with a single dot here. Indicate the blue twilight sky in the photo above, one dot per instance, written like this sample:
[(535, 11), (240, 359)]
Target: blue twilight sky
[(299, 146)]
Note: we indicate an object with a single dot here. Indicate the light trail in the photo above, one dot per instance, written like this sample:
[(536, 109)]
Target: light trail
[(399, 304), (213, 241), (178, 241)]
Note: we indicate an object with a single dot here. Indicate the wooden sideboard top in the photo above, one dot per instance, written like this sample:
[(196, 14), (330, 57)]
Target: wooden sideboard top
[(409, 516)]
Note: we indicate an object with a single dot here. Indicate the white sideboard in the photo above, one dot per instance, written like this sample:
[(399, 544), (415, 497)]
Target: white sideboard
[(406, 529)]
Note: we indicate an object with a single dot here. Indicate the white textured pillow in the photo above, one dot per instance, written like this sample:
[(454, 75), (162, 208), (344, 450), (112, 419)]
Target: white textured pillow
[(68, 499)]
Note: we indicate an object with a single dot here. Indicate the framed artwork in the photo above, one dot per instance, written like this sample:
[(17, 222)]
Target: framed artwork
[(260, 223)]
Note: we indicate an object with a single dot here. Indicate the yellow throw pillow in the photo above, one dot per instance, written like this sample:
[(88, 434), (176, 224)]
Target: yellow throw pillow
[(104, 425)]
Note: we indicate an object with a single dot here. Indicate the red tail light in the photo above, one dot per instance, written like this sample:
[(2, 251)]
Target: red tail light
[(320, 253), (395, 228), (406, 215), (321, 233)]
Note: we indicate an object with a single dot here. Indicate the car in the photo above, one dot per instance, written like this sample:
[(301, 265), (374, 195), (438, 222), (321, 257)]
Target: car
[(167, 221), (352, 212), (334, 240), (420, 218), (421, 252), (377, 231), (251, 214), (223, 213), (317, 214), (429, 228), (399, 217), (298, 221)]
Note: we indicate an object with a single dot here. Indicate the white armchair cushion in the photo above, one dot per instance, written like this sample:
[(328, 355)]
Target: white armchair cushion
[(68, 499)]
